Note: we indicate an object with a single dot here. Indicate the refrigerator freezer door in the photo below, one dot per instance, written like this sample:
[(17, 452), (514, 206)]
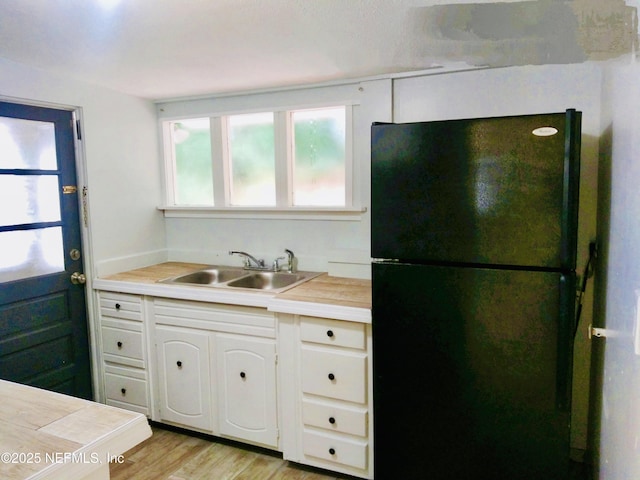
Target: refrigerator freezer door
[(471, 373), (481, 191)]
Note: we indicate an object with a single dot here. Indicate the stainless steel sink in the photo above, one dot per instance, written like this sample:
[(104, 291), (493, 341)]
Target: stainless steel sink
[(267, 280), (207, 276), (239, 278)]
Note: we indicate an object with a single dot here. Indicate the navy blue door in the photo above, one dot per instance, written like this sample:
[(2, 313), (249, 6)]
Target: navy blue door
[(43, 319)]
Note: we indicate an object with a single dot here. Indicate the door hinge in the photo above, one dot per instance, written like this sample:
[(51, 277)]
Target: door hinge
[(68, 189), (78, 131)]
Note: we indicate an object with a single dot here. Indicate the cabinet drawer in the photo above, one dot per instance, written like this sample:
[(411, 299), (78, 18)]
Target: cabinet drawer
[(120, 305), (122, 343), (336, 449), (334, 374), (337, 418), (243, 320), (126, 389), (333, 332)]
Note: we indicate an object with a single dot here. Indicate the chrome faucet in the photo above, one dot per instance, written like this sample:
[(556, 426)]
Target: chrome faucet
[(291, 258), (259, 264), (276, 264)]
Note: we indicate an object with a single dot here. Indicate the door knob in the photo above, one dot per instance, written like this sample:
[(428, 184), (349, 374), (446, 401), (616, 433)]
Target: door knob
[(78, 278)]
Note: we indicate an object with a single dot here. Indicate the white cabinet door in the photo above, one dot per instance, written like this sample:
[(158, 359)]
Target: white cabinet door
[(247, 388), (185, 377)]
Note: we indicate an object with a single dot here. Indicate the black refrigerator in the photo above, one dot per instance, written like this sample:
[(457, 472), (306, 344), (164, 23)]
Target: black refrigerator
[(473, 240)]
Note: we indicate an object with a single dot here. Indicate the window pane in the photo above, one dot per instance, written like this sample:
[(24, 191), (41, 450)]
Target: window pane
[(27, 144), (252, 159), (319, 157), (33, 198), (28, 253), (192, 149)]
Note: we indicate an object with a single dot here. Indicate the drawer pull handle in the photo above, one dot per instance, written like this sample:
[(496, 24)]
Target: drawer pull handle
[(179, 364), (332, 451), (117, 306), (119, 345), (331, 376), (123, 391), (243, 375), (332, 420), (330, 333)]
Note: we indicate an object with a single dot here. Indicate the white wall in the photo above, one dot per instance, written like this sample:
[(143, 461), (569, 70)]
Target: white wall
[(518, 91), (619, 219), (122, 168)]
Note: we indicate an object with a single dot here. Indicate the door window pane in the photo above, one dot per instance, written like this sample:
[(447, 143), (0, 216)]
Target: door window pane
[(193, 171), (27, 144), (28, 253), (252, 159), (29, 199), (319, 157)]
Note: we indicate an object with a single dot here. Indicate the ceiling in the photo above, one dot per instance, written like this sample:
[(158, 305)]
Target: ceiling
[(162, 49)]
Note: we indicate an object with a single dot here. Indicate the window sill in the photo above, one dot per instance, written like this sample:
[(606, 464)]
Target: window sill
[(266, 213)]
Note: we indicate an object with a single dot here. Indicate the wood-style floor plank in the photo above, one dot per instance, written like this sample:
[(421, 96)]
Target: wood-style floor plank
[(170, 455)]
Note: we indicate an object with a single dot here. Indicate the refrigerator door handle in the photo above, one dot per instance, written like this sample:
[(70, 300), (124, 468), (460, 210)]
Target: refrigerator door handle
[(564, 363)]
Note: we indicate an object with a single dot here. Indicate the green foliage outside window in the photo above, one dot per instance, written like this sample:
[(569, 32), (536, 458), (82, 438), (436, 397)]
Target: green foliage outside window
[(194, 176), (317, 166), (252, 153)]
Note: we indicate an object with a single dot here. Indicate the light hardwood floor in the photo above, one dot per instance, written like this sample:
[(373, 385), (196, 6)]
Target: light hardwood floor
[(170, 455)]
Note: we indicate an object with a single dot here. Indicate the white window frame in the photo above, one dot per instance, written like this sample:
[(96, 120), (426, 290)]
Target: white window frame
[(284, 207)]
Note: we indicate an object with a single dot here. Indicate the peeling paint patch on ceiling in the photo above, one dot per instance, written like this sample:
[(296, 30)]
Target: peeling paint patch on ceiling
[(529, 32)]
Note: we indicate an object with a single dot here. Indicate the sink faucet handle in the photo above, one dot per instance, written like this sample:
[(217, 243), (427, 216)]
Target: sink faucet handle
[(291, 258), (276, 264)]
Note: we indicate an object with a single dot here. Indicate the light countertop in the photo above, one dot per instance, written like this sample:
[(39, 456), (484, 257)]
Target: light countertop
[(47, 435), (337, 297)]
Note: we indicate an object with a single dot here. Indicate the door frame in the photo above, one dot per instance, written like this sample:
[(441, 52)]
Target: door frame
[(85, 229)]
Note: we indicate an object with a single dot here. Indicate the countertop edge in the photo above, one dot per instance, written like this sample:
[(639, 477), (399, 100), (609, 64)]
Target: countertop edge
[(199, 294), (110, 445), (314, 309)]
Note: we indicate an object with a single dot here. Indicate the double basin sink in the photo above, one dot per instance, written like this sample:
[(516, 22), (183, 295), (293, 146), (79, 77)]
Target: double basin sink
[(239, 278)]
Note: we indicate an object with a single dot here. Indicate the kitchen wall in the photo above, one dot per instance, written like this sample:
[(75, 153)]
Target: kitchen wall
[(122, 170), (616, 387)]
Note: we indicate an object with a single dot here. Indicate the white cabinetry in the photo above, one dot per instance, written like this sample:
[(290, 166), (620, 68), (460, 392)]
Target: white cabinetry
[(217, 369), (124, 351), (290, 373), (330, 393), (185, 377), (247, 388)]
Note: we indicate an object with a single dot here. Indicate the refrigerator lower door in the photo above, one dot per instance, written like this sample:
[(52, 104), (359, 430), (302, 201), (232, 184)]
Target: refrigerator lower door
[(471, 373)]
